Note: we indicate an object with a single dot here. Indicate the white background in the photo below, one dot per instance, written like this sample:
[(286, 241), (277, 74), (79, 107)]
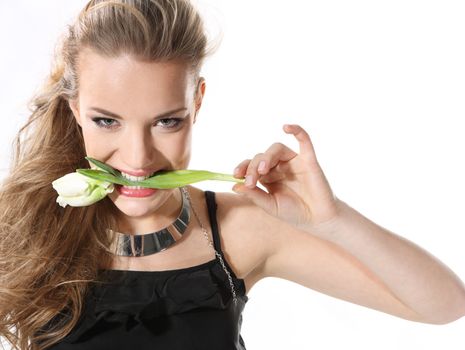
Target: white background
[(378, 85)]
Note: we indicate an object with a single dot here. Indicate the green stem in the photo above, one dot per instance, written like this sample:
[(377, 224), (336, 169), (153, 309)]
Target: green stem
[(163, 180), (226, 177)]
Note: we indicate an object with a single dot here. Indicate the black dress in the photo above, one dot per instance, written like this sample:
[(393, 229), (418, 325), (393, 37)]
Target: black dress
[(188, 308)]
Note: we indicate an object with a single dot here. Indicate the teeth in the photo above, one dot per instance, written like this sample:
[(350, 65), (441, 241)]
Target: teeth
[(133, 187), (134, 178)]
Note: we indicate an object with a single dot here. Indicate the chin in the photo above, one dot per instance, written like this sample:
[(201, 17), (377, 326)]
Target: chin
[(134, 209), (139, 207)]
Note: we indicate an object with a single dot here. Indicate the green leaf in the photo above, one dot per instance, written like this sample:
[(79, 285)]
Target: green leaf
[(104, 176), (162, 180), (104, 166), (179, 178)]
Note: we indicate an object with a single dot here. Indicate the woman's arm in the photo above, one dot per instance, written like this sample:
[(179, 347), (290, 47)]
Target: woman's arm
[(416, 277), (373, 267), (355, 260)]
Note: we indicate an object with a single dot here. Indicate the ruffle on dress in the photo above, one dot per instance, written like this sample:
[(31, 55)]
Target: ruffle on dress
[(135, 297)]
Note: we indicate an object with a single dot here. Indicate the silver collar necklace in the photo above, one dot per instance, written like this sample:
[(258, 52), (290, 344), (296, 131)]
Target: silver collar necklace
[(153, 242)]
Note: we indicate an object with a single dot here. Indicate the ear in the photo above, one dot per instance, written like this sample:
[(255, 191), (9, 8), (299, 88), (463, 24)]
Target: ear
[(200, 92), (73, 105)]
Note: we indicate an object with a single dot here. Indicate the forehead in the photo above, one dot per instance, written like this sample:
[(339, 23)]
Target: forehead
[(125, 80)]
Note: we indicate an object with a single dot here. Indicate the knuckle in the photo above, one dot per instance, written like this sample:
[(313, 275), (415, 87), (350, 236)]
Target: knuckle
[(276, 146), (244, 162), (254, 162)]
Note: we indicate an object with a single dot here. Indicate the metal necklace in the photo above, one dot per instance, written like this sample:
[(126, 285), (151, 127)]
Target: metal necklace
[(154, 242)]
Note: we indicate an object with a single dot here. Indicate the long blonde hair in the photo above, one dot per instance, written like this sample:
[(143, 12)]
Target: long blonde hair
[(48, 254)]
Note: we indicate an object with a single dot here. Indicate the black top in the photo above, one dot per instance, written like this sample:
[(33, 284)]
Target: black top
[(188, 308)]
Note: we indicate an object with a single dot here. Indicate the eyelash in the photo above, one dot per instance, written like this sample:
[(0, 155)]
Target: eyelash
[(177, 122)]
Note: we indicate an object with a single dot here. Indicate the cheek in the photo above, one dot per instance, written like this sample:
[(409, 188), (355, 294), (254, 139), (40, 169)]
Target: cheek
[(185, 145), (173, 147), (177, 149), (96, 143)]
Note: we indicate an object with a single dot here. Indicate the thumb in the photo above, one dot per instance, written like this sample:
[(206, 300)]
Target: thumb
[(259, 197)]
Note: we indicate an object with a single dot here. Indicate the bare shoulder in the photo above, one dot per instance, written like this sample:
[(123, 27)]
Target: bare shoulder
[(250, 237), (245, 235)]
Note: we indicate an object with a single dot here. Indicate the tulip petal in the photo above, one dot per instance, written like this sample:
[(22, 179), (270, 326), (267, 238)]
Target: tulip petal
[(71, 184), (78, 190)]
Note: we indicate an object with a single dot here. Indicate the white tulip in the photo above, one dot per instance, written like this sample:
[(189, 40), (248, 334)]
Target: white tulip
[(78, 190)]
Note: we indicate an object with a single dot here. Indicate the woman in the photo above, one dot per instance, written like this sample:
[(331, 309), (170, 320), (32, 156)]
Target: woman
[(126, 90)]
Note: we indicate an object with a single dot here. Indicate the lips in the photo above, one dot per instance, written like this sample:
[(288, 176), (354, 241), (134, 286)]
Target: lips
[(132, 192)]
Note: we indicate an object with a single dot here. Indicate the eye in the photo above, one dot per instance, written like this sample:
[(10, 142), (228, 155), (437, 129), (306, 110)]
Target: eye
[(167, 123), (99, 121), (171, 122)]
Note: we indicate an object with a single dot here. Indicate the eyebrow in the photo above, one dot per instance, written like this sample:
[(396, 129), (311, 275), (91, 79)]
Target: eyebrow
[(114, 115)]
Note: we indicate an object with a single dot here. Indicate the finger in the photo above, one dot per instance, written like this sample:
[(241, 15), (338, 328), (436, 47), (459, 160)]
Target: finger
[(260, 197), (272, 176), (239, 171), (251, 173), (305, 144), (276, 154)]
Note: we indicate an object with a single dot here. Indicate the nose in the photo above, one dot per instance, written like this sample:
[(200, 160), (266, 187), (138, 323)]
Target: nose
[(137, 150)]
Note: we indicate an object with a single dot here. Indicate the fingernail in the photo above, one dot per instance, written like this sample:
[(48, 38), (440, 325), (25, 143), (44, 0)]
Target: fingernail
[(249, 181), (261, 166), (236, 171)]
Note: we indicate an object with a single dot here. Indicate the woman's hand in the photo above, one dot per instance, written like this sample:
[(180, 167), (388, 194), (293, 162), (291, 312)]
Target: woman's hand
[(298, 191)]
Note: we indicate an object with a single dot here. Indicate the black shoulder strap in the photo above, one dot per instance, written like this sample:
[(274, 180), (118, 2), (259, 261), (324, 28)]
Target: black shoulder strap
[(211, 205)]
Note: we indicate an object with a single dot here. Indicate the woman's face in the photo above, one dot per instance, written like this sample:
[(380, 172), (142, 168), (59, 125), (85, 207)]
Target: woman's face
[(137, 117)]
